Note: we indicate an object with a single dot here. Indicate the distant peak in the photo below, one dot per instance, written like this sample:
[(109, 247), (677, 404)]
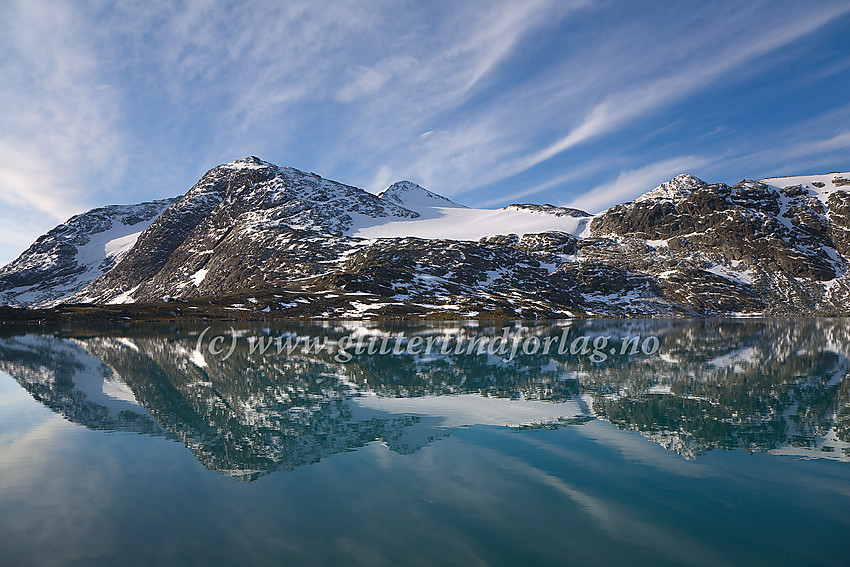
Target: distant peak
[(250, 162), (680, 186), (405, 185), (412, 196), (686, 179)]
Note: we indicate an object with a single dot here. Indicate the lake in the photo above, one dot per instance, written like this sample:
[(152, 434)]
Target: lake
[(597, 442)]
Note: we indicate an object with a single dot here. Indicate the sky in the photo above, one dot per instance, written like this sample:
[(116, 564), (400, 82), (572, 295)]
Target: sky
[(581, 103)]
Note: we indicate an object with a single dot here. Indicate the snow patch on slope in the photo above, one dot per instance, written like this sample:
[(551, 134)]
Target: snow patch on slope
[(455, 223), (821, 186), (65, 260), (199, 276)]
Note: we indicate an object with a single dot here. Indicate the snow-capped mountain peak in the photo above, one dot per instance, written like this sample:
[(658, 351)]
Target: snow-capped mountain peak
[(414, 197), (678, 187), (250, 162)]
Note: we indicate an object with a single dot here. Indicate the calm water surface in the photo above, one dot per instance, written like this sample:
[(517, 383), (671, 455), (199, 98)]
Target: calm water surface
[(728, 444)]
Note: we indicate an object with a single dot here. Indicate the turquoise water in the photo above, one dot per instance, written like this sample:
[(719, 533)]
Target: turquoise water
[(728, 445)]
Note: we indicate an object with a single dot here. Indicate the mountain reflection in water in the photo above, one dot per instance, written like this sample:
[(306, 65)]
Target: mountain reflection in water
[(773, 386)]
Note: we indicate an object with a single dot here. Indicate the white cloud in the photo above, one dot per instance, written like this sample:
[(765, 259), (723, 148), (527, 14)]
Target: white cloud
[(795, 148), (812, 146), (57, 126), (638, 100), (369, 80), (130, 96), (29, 183), (623, 78)]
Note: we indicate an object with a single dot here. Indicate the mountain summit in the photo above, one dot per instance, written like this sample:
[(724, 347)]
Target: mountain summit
[(677, 188), (411, 196), (254, 239)]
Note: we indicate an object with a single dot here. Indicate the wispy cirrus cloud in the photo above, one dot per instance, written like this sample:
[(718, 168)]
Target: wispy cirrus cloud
[(449, 62), (637, 100), (593, 93), (59, 146), (799, 157), (493, 100), (58, 115), (595, 167), (333, 84)]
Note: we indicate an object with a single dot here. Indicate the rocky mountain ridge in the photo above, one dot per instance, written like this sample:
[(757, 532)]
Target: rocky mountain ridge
[(278, 242), (72, 255)]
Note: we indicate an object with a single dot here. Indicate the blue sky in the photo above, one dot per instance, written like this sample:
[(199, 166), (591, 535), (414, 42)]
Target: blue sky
[(579, 103)]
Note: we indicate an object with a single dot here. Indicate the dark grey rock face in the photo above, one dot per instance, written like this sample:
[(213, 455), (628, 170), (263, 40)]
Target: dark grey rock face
[(749, 247), (158, 243)]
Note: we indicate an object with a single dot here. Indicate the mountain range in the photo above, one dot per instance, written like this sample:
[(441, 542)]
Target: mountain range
[(251, 239)]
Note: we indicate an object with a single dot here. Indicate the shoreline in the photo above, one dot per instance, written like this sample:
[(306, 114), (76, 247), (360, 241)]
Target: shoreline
[(190, 312)]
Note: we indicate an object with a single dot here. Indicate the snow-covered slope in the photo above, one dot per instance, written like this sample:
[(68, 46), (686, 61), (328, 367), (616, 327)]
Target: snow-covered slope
[(463, 410), (442, 218), (820, 186), (69, 257), (461, 223)]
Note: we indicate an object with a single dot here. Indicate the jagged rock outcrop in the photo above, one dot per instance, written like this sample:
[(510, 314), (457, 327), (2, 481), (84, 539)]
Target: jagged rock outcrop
[(548, 209), (750, 247)]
